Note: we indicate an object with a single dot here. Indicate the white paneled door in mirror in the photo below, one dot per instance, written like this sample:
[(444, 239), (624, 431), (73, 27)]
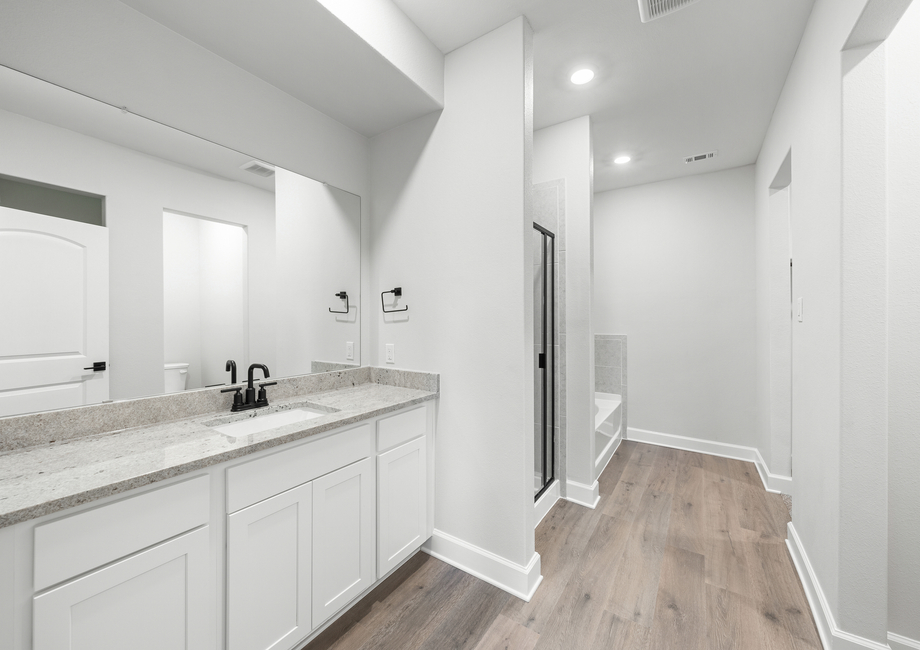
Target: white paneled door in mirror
[(55, 295)]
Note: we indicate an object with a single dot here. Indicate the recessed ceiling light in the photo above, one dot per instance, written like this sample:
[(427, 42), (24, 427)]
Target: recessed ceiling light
[(582, 76), (622, 160)]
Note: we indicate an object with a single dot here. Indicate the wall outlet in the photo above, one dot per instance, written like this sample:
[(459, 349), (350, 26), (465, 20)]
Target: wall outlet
[(349, 350), (391, 353)]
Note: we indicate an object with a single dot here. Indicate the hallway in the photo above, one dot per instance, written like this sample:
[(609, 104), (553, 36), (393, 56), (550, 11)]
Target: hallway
[(684, 551)]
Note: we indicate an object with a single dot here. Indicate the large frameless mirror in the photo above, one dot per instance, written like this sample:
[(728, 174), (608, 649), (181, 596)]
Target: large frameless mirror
[(163, 256)]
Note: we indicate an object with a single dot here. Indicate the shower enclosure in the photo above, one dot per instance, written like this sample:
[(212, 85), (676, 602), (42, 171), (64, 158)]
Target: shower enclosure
[(544, 340)]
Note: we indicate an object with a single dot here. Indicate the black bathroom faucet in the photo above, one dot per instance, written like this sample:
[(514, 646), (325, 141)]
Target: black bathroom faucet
[(251, 401)]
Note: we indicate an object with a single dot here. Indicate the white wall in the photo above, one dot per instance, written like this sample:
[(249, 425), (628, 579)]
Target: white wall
[(564, 152), (831, 116), (674, 271), (205, 292), (452, 225), (807, 121), (137, 189), (903, 50), (182, 295), (318, 255)]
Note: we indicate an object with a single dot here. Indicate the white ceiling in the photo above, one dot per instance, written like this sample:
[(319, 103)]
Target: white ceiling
[(704, 78), (301, 48)]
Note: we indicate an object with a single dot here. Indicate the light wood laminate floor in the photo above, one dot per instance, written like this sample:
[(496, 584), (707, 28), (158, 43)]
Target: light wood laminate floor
[(684, 552)]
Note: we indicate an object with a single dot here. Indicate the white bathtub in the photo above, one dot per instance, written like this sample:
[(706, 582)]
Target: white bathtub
[(608, 425)]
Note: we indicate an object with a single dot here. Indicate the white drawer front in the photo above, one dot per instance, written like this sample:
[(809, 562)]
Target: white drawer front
[(73, 545), (153, 600), (265, 477), (402, 427)]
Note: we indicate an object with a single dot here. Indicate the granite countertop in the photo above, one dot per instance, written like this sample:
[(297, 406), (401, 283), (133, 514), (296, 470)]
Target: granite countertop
[(48, 478)]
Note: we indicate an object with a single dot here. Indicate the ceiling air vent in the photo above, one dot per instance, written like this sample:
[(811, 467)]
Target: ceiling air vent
[(258, 168), (652, 9), (700, 157)]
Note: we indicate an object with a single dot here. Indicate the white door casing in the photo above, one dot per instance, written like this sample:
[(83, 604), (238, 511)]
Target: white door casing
[(55, 299)]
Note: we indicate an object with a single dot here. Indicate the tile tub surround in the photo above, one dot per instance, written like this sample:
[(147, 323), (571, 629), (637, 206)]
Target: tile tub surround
[(48, 478), (610, 368)]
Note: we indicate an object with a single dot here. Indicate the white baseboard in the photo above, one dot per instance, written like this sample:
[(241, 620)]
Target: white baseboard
[(832, 637), (898, 642), (583, 495), (517, 580), (546, 502), (775, 483)]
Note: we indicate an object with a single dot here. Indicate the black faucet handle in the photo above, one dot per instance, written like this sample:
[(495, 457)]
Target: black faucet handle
[(237, 397), (268, 383)]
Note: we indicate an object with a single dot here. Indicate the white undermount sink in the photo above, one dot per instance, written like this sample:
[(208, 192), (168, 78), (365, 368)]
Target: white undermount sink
[(262, 423)]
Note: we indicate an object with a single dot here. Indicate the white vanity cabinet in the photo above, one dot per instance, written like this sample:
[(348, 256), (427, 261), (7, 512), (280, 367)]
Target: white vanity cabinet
[(402, 487), (269, 560), (260, 552), (344, 536), (119, 576), (300, 538)]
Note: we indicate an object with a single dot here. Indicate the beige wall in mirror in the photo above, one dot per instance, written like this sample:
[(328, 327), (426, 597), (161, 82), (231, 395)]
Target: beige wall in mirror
[(202, 261)]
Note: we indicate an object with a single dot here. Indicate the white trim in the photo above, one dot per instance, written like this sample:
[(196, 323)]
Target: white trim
[(775, 483), (609, 450), (583, 495), (898, 642), (832, 637), (517, 580), (546, 502)]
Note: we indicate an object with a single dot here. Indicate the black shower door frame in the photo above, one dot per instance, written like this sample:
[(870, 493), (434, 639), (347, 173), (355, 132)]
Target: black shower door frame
[(548, 406)]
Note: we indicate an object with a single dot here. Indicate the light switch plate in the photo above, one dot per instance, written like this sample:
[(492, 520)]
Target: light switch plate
[(391, 353), (349, 350)]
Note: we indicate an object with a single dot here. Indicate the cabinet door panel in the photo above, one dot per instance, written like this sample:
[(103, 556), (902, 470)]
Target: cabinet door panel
[(153, 600), (269, 572), (402, 485), (344, 537)]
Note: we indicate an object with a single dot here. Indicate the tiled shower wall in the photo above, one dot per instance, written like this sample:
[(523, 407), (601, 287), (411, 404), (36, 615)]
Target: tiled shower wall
[(610, 367), (549, 212)]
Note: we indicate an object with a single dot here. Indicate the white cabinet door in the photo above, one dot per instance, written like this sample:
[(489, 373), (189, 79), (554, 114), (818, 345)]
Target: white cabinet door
[(344, 537), (269, 572), (402, 486), (155, 600), (55, 297)]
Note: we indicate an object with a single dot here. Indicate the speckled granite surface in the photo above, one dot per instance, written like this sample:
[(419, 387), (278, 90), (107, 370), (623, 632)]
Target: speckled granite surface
[(22, 431), (329, 366), (50, 477)]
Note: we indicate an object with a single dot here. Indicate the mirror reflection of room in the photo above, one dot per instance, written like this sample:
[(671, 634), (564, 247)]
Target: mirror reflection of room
[(205, 306), (201, 254)]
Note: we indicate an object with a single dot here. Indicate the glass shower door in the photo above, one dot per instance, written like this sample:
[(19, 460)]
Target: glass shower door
[(544, 359)]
